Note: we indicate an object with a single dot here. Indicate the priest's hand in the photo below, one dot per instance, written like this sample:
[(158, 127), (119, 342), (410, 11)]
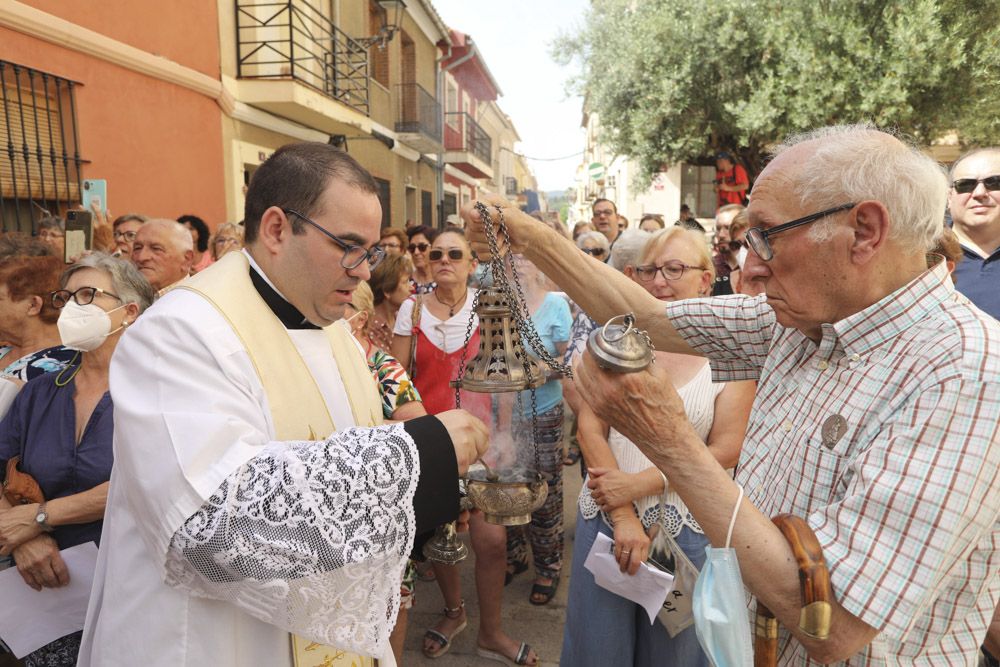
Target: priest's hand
[(643, 406), (520, 226), (469, 435), (40, 565)]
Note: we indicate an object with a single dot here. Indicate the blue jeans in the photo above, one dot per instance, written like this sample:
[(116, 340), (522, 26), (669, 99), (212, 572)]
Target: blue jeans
[(605, 629)]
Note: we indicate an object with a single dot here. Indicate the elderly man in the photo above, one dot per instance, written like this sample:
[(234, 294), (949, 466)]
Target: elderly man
[(877, 410), (974, 202), (255, 494), (163, 251)]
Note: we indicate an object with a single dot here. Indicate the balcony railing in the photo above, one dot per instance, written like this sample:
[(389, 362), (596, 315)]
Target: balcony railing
[(470, 137), (295, 40), (418, 112)]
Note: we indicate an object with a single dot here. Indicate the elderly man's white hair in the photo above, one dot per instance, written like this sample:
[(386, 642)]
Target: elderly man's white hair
[(179, 234), (628, 248), (853, 163)]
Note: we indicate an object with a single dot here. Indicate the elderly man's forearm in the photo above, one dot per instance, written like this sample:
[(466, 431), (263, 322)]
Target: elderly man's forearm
[(766, 561), (600, 290)]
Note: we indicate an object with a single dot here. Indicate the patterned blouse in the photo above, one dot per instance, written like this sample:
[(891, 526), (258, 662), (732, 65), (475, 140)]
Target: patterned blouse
[(393, 383), (30, 366)]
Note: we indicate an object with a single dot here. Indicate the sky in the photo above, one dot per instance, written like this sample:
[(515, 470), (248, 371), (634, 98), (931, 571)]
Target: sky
[(514, 37)]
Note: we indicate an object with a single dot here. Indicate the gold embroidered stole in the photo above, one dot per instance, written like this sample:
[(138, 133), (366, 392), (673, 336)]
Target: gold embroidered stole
[(298, 409)]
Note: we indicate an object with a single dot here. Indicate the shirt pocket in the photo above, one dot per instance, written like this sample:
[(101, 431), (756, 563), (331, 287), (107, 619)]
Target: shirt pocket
[(817, 476)]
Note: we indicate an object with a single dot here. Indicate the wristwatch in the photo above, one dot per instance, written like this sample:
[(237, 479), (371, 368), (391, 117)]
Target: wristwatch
[(42, 519)]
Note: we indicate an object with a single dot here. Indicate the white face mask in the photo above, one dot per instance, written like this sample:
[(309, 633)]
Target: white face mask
[(84, 328)]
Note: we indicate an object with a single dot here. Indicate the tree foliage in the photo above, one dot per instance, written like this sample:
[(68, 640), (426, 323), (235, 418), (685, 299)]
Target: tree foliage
[(674, 80)]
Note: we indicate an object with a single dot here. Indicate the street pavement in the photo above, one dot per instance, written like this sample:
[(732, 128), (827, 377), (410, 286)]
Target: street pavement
[(542, 627)]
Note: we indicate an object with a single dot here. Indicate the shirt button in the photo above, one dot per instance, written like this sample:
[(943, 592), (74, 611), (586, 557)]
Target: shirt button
[(855, 357), (823, 365), (787, 426)]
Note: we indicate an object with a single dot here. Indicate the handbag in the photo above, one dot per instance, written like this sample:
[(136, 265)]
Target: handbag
[(20, 488), (417, 309)]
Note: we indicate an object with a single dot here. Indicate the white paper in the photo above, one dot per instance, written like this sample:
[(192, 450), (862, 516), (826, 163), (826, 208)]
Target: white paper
[(30, 619), (648, 587)]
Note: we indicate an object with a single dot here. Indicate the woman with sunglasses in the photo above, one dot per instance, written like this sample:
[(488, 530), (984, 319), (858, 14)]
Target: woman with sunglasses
[(625, 496), (421, 238), (594, 244), (60, 426), (430, 330)]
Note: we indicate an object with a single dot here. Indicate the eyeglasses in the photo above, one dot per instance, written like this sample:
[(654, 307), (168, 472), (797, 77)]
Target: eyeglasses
[(964, 186), (422, 247), (670, 271), (390, 244), (84, 296), (454, 254), (594, 252), (128, 236), (604, 213), (354, 255), (757, 238)]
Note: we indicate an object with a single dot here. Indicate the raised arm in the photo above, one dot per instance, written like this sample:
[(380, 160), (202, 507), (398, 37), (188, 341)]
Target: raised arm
[(596, 287)]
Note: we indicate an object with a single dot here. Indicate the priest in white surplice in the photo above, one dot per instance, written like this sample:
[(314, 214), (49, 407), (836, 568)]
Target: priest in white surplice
[(231, 522)]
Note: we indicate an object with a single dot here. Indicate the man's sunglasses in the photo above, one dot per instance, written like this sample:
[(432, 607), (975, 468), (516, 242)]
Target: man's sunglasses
[(594, 252), (422, 247), (454, 254), (964, 186), (736, 245)]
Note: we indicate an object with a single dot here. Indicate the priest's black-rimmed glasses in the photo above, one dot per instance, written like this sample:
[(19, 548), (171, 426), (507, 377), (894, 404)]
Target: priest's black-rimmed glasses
[(757, 238), (354, 255)]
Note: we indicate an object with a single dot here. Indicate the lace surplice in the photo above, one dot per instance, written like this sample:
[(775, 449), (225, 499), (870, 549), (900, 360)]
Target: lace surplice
[(309, 536)]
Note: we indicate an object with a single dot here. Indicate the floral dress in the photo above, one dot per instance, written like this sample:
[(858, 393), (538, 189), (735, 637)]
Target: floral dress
[(393, 383), (30, 366)]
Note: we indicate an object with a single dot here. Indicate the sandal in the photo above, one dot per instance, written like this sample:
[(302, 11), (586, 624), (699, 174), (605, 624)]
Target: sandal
[(520, 659), (542, 595), (572, 456), (513, 569), (443, 640)]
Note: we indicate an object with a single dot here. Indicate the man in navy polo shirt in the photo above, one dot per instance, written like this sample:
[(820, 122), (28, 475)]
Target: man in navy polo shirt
[(974, 202)]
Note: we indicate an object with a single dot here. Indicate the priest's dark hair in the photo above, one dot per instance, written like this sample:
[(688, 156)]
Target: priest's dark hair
[(294, 177)]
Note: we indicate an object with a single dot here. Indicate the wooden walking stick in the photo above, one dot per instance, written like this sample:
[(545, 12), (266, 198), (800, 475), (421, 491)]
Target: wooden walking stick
[(814, 587)]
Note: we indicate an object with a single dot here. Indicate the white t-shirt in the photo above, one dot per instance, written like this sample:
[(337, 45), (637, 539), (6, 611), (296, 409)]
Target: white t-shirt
[(447, 335)]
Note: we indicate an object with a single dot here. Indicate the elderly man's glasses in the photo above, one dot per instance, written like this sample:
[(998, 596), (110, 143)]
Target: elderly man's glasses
[(354, 255), (83, 296), (128, 237), (670, 271), (757, 238), (964, 186), (594, 252)]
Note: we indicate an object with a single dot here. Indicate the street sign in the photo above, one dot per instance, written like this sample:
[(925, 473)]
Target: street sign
[(596, 171)]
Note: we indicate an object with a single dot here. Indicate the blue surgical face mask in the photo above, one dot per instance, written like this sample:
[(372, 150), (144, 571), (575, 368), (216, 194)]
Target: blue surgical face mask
[(721, 619)]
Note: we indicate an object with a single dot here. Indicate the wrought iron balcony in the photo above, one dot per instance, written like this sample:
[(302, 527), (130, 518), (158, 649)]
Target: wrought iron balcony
[(418, 118), (467, 136), (295, 40)]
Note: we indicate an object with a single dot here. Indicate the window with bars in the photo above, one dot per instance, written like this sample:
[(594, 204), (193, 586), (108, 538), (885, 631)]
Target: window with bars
[(39, 148)]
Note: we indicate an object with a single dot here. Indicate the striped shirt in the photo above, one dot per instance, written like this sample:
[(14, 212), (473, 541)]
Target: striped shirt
[(905, 497)]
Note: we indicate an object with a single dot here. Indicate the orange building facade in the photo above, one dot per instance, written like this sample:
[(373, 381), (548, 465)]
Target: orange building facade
[(122, 91)]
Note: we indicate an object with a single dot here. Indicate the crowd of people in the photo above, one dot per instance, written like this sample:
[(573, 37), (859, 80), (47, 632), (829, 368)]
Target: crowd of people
[(281, 422)]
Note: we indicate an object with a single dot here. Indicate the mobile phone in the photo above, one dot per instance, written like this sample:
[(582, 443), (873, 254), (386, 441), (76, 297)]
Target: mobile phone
[(79, 234), (95, 192)]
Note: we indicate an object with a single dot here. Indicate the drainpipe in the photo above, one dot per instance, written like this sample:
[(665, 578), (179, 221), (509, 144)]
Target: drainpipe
[(473, 50)]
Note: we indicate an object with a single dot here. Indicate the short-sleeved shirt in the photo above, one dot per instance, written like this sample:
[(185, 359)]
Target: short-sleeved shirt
[(735, 176), (30, 366), (904, 496), (41, 428), (552, 321), (978, 278)]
